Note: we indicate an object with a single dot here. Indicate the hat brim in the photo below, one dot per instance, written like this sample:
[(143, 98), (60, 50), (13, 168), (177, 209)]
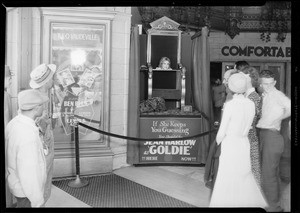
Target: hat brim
[(35, 85)]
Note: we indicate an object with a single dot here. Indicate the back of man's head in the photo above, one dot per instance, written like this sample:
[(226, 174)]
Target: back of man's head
[(240, 65)]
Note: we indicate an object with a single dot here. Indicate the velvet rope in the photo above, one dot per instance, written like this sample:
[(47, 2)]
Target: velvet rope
[(93, 121), (144, 139)]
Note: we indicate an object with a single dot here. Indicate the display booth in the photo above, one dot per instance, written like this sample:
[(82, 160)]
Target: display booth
[(164, 40), (177, 120)]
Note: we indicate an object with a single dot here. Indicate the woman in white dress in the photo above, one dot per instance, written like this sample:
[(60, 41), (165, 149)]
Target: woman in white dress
[(235, 185)]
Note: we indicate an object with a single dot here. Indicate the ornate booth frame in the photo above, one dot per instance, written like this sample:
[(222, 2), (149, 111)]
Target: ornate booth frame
[(166, 27)]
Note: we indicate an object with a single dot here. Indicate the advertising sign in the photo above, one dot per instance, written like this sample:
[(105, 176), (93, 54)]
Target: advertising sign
[(174, 151), (259, 51), (65, 36)]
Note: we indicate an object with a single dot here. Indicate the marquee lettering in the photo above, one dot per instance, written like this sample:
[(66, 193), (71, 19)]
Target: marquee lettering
[(258, 51)]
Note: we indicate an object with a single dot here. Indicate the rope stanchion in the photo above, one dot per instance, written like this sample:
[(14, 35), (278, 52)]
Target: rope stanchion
[(77, 183)]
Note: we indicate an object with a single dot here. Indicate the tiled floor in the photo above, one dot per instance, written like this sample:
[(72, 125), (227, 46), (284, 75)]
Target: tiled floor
[(181, 182)]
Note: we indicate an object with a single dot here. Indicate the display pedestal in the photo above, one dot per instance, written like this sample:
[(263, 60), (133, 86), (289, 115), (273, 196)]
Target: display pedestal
[(177, 151)]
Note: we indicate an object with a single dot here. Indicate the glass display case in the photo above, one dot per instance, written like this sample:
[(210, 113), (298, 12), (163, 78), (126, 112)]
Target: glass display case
[(77, 51)]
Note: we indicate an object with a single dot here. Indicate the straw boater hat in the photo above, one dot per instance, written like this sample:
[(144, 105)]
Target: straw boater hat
[(28, 99), (237, 83), (41, 75)]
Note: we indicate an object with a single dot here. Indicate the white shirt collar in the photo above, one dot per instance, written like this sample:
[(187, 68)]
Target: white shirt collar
[(249, 91), (26, 119)]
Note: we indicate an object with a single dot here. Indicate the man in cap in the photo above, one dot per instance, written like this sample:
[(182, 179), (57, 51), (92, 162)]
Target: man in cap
[(26, 164), (42, 81), (275, 107)]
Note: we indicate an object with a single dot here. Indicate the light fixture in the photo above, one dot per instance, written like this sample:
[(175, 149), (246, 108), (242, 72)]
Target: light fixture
[(233, 16), (78, 57)]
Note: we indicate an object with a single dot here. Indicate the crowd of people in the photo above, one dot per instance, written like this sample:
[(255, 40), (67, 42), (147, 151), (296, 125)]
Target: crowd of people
[(249, 141), (248, 144)]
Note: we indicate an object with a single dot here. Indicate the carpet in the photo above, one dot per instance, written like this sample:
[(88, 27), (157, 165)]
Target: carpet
[(115, 191)]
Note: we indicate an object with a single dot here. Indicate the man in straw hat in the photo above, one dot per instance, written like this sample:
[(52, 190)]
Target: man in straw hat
[(26, 165), (42, 81)]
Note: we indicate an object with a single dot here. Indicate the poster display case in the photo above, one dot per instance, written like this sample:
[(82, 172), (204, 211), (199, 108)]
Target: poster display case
[(79, 45), (77, 51)]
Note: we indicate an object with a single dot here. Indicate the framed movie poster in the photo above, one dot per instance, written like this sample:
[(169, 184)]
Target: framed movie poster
[(78, 52)]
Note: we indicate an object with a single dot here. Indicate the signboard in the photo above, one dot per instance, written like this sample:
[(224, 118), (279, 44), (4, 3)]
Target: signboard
[(174, 151), (258, 51), (64, 36)]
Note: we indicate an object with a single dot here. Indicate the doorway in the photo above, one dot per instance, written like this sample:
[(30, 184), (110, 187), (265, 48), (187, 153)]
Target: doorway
[(278, 69), (217, 89)]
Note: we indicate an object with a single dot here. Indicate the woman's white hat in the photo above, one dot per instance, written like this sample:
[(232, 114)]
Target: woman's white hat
[(227, 74), (41, 75), (237, 83)]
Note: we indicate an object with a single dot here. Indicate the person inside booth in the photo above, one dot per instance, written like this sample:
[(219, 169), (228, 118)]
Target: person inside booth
[(164, 64)]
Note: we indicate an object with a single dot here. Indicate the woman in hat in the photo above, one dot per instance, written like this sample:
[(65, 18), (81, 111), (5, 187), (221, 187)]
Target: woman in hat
[(235, 185), (42, 80)]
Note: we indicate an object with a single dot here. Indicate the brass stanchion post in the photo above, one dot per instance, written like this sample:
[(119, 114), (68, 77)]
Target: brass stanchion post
[(77, 183)]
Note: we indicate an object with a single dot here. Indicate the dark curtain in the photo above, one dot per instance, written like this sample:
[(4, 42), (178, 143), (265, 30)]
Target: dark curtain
[(201, 87), (133, 96)]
